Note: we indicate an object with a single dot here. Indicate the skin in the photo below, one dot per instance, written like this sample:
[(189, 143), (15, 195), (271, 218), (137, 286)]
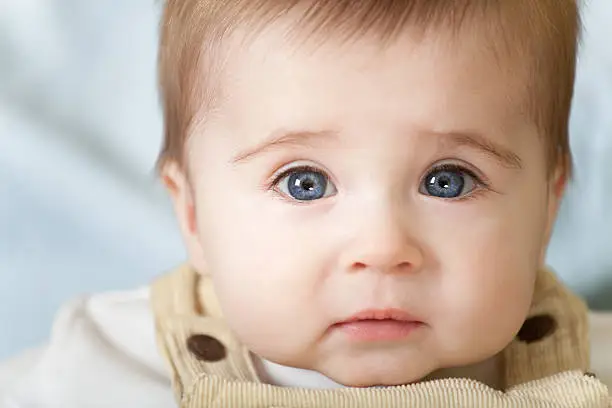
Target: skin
[(286, 271)]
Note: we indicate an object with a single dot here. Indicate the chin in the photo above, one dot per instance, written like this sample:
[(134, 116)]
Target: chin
[(391, 366), (382, 376)]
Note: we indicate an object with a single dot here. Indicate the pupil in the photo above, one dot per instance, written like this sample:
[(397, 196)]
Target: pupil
[(307, 185), (445, 184)]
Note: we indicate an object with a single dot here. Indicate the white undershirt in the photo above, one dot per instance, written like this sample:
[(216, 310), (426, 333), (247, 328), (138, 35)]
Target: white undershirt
[(284, 376), (276, 374)]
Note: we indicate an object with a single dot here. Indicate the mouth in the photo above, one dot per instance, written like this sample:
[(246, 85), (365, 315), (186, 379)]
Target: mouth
[(375, 325)]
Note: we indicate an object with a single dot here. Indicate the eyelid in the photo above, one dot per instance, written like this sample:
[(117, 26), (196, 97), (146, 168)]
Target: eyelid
[(307, 165), (278, 177), (459, 165), (481, 182)]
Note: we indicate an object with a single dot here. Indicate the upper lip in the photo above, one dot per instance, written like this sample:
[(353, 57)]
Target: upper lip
[(381, 314)]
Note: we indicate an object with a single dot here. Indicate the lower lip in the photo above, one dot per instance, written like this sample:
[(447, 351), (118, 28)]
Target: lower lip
[(378, 330)]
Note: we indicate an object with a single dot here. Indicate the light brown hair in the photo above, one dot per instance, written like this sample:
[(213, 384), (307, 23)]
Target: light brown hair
[(544, 33)]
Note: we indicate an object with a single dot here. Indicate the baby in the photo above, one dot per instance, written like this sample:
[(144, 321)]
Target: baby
[(366, 190)]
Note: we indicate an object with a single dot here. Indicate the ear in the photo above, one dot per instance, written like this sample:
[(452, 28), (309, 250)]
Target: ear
[(177, 183), (556, 190)]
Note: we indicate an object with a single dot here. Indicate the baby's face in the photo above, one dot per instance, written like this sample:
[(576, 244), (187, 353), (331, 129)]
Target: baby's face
[(349, 183)]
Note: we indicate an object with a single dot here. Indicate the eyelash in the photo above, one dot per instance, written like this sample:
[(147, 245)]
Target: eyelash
[(453, 167), (482, 183), (278, 177)]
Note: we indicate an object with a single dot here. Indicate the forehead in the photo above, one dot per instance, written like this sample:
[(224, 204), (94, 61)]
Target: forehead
[(437, 80)]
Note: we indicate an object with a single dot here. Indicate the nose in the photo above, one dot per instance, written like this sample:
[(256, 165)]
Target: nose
[(382, 244)]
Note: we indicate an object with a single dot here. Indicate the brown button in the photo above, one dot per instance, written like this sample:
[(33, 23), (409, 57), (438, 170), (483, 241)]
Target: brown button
[(537, 328), (206, 348)]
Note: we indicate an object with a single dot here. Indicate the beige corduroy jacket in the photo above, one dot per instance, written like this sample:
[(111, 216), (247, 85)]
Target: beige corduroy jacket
[(545, 366)]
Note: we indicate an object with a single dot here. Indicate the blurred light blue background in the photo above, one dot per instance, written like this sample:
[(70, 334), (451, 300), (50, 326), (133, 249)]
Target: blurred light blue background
[(80, 208)]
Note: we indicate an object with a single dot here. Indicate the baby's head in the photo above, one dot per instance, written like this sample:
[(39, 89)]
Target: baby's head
[(333, 161)]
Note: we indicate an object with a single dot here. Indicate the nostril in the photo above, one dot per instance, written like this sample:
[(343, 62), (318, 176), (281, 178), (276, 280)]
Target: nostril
[(404, 266), (401, 267)]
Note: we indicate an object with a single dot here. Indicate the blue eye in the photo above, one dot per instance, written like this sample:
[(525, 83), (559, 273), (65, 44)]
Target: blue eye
[(449, 181), (305, 184)]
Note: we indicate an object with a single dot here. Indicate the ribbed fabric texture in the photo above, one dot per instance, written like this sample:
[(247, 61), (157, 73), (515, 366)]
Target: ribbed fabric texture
[(547, 372), (566, 390)]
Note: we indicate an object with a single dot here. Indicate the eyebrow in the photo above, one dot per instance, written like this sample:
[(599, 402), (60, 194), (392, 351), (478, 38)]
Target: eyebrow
[(279, 139), (504, 156), (304, 138)]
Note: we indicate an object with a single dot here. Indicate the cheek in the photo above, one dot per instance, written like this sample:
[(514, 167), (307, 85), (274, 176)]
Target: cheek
[(488, 271), (260, 263)]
